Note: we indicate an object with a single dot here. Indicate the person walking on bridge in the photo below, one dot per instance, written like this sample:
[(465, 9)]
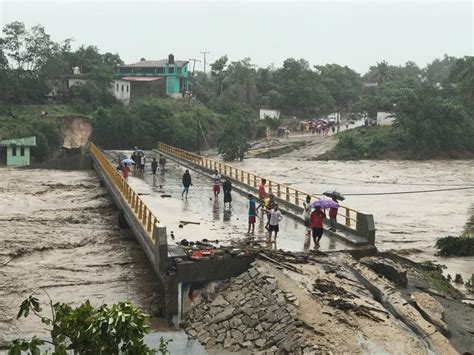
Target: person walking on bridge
[(216, 178), (186, 183), (252, 214), (154, 167), (162, 162), (261, 193), (227, 188), (275, 218), (333, 217), (317, 218)]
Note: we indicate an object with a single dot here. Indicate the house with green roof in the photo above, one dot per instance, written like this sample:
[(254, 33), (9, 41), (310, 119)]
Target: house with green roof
[(16, 152)]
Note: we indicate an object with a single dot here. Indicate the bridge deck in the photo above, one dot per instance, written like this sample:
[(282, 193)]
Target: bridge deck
[(226, 224)]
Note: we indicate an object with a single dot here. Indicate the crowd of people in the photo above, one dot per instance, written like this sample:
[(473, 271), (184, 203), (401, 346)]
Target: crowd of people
[(262, 207)]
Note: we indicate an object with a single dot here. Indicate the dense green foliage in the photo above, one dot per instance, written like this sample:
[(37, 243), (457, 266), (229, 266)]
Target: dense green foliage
[(26, 121), (88, 330), (455, 246), (363, 143), (147, 121), (233, 141)]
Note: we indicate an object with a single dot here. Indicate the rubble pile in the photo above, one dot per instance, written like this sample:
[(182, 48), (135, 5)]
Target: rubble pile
[(250, 313)]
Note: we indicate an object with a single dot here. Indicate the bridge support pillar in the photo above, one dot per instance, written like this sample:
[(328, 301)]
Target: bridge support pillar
[(161, 249), (366, 227)]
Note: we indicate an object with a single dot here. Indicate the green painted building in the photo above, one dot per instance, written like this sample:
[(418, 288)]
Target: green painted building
[(16, 152), (165, 77)]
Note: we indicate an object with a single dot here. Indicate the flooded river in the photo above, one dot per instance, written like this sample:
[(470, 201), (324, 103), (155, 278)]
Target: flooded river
[(59, 234), (406, 222)]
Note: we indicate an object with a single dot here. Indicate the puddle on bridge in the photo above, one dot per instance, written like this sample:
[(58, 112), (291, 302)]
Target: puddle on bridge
[(215, 221)]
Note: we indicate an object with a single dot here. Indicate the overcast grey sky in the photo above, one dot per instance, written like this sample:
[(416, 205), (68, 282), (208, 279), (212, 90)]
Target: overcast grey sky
[(354, 33)]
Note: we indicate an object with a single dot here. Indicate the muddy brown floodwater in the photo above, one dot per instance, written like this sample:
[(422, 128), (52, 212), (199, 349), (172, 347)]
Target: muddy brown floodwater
[(59, 234), (409, 223)]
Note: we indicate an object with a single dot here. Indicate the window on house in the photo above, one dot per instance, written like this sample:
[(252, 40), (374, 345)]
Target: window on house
[(14, 151), (22, 151), (170, 69), (117, 87), (122, 87), (127, 88), (160, 70)]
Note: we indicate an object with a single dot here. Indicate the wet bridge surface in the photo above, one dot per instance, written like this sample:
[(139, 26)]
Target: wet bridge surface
[(217, 221)]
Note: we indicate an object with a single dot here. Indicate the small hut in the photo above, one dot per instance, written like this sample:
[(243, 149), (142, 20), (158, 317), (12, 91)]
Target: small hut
[(16, 152)]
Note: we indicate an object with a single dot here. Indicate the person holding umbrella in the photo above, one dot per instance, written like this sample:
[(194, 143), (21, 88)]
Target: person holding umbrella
[(333, 216), (317, 218)]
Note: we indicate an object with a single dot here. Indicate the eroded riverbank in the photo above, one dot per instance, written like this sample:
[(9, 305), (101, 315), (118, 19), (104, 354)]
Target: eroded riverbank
[(59, 234)]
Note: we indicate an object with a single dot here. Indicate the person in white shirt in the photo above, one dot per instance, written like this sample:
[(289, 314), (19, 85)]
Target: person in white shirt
[(275, 218), (216, 178)]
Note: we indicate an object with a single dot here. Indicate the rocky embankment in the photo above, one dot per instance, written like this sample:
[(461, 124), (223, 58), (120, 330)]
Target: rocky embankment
[(306, 304), (249, 312)]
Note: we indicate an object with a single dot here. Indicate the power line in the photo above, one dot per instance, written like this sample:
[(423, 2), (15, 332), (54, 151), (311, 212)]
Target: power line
[(204, 54), (409, 192)]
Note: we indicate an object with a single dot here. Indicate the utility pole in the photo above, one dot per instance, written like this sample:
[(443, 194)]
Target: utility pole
[(204, 54), (197, 134), (194, 62)]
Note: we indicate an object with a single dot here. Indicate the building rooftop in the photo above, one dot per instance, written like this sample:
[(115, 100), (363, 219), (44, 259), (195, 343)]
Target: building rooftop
[(154, 63), (141, 78), (26, 142)]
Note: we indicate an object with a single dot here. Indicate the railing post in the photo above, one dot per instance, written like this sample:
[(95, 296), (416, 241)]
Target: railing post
[(348, 217), (278, 190), (241, 175), (270, 186), (149, 221), (225, 169), (255, 181), (136, 203), (297, 199), (288, 194), (248, 179), (140, 210)]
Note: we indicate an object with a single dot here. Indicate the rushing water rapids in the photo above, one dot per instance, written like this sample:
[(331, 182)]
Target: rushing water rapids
[(59, 233)]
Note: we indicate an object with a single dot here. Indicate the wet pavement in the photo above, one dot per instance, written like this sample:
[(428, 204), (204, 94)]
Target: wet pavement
[(216, 221)]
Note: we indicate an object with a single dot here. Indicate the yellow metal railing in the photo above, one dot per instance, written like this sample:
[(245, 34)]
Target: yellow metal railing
[(142, 212), (284, 192)]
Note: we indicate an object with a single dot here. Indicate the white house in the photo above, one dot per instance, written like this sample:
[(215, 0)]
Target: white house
[(269, 113), (385, 119), (121, 90)]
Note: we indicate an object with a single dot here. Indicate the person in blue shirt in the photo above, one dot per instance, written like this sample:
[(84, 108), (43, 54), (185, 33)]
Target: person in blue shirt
[(252, 214)]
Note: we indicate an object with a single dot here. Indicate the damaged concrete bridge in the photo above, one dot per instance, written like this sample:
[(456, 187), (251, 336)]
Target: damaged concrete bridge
[(173, 266)]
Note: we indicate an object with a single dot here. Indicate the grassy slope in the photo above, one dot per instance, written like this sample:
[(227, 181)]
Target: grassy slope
[(18, 121), (367, 143)]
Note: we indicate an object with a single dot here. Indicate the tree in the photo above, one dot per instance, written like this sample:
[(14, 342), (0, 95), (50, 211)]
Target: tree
[(302, 93), (434, 125), (343, 83), (233, 141), (438, 70), (88, 330)]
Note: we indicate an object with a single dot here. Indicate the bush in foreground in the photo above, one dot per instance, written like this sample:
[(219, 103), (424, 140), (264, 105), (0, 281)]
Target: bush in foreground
[(89, 330), (455, 246)]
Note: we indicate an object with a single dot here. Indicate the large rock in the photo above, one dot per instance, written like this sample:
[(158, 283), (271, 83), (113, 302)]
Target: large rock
[(431, 310), (386, 268)]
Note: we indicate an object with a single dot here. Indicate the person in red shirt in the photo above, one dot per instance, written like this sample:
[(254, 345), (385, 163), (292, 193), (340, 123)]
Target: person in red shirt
[(261, 193), (316, 219), (333, 217), (125, 171)]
